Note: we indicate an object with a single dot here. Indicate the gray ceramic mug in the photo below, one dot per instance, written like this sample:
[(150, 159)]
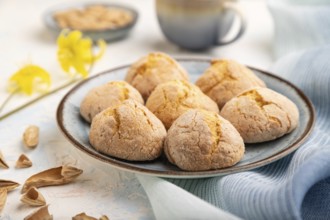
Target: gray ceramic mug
[(198, 24)]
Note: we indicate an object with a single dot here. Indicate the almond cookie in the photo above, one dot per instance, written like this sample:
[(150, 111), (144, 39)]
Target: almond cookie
[(202, 140), (170, 100), (107, 95), (128, 131), (261, 114), (152, 70), (225, 79)]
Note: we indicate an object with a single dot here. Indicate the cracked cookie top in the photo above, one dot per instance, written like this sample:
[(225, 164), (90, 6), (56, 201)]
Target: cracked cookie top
[(107, 95), (171, 99), (203, 140), (128, 131), (261, 114), (225, 79), (152, 70)]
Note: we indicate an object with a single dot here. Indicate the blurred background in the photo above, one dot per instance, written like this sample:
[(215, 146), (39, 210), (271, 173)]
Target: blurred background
[(24, 36)]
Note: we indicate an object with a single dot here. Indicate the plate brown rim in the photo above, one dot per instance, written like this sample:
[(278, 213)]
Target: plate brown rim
[(188, 174)]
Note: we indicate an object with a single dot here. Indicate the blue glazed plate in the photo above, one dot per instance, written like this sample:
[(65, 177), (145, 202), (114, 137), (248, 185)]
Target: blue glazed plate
[(107, 34), (256, 155)]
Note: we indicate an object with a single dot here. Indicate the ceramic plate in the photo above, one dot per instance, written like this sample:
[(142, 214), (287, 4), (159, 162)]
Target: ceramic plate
[(256, 155), (107, 34)]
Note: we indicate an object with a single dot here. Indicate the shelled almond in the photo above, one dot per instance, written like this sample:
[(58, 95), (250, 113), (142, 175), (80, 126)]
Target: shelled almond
[(31, 136)]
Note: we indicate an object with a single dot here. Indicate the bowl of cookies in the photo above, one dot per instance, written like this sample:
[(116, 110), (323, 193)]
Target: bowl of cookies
[(185, 118), (95, 20)]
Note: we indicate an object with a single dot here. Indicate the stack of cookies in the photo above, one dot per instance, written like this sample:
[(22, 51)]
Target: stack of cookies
[(198, 127)]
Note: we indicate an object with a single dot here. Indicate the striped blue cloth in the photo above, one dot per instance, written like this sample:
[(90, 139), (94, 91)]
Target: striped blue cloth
[(295, 187)]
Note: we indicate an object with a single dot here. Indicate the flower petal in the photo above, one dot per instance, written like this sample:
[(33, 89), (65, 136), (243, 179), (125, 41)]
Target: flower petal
[(29, 79), (76, 52), (80, 68), (102, 47)]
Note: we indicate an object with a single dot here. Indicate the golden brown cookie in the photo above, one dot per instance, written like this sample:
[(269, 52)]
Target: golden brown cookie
[(107, 95), (128, 131), (225, 79), (202, 140), (261, 114), (152, 70), (171, 99)]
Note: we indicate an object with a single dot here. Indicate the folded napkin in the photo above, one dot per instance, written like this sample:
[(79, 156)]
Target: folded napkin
[(295, 187)]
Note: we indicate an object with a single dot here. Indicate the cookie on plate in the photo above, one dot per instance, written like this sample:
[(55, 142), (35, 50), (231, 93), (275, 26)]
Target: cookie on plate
[(128, 131), (202, 140), (171, 99), (152, 70), (261, 114), (107, 95), (225, 79)]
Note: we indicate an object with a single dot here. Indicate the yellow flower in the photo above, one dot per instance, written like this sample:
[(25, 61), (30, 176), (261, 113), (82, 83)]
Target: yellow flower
[(29, 79), (75, 53)]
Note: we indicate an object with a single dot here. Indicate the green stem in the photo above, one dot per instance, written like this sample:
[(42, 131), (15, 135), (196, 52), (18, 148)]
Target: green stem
[(34, 100), (40, 97), (8, 99)]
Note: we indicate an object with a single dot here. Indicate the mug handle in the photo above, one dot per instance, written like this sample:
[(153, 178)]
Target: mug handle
[(242, 28)]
